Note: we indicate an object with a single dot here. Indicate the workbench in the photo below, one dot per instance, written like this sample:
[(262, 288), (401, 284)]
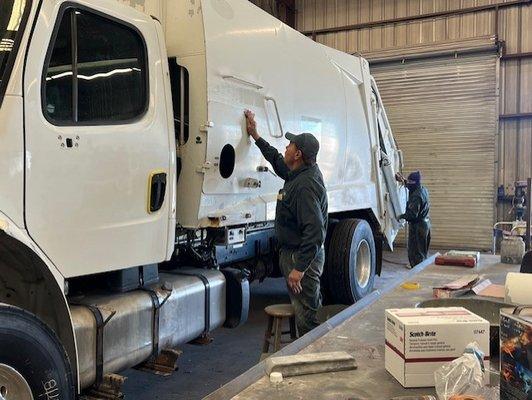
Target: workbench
[(358, 330)]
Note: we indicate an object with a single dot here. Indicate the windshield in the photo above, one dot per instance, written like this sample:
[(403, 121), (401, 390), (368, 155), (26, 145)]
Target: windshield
[(11, 17)]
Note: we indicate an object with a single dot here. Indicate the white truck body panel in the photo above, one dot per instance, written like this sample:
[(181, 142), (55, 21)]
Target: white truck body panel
[(309, 91), (239, 57)]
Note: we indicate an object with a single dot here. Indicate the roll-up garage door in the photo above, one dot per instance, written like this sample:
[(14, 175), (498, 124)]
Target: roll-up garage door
[(443, 113)]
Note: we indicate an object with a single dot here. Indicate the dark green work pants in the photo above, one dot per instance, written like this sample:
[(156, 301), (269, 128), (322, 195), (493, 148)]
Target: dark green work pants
[(418, 241), (306, 303)]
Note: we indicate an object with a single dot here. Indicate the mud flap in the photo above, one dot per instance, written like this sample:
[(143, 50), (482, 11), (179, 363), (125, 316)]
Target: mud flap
[(237, 297)]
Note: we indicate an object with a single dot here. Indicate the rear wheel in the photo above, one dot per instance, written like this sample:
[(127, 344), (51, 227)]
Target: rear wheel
[(351, 261), (324, 281), (33, 363)]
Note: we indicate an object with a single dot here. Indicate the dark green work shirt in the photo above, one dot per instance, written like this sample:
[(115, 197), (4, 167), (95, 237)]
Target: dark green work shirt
[(418, 205), (301, 213)]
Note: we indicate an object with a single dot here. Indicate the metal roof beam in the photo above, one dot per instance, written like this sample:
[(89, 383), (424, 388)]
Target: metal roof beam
[(411, 18)]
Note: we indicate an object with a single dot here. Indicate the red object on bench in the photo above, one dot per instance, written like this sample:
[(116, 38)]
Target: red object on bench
[(459, 261)]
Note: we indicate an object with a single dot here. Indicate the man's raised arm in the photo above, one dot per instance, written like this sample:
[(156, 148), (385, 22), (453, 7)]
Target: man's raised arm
[(269, 152)]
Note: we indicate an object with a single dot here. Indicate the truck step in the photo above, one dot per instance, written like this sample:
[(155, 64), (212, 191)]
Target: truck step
[(165, 364), (109, 389)]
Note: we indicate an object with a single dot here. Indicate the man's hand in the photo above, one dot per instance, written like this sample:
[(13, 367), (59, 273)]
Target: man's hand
[(251, 124), (400, 178), (294, 280)]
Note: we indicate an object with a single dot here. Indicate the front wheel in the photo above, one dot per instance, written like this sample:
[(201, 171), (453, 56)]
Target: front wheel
[(33, 363), (351, 261)]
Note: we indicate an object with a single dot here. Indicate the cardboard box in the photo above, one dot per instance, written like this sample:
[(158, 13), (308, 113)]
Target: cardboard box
[(420, 340), (516, 355)]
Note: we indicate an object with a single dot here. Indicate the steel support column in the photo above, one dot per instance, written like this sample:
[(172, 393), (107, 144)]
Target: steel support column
[(528, 212)]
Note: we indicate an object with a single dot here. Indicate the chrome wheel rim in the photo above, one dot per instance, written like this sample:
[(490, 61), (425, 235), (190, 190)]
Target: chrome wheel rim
[(363, 264), (13, 386)]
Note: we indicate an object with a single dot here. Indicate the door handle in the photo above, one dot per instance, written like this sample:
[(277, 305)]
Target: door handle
[(278, 116), (156, 191)]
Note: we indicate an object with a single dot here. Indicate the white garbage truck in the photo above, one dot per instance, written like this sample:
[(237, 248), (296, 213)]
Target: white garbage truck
[(135, 209)]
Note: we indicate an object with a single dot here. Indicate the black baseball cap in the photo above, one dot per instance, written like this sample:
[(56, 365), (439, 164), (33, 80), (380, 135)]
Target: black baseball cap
[(306, 142)]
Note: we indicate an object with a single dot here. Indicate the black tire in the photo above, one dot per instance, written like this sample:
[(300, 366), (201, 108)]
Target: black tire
[(324, 281), (351, 261), (31, 348)]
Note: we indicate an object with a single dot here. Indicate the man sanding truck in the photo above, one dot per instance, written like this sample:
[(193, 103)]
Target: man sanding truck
[(300, 220)]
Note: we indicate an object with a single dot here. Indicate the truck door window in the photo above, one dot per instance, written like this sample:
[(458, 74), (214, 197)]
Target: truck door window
[(96, 71), (59, 74), (179, 82)]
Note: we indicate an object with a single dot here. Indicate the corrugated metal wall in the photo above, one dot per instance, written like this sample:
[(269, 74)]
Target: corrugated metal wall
[(270, 6), (513, 25)]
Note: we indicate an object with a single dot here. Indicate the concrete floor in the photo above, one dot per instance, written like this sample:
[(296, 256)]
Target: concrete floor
[(203, 369)]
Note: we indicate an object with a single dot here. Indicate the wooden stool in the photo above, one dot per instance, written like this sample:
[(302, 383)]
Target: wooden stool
[(276, 313)]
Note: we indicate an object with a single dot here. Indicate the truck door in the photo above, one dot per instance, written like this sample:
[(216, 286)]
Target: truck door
[(391, 162), (96, 138)]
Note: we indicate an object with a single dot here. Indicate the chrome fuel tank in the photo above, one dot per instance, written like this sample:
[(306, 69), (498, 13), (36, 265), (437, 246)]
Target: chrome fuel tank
[(128, 335)]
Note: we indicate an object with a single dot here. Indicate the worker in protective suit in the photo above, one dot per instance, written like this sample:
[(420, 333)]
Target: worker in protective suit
[(417, 216)]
